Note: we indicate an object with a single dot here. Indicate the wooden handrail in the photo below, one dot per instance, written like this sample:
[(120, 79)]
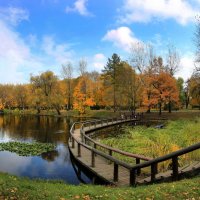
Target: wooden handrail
[(154, 163), (168, 156)]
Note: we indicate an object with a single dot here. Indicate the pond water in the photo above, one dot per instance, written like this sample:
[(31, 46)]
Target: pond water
[(52, 165)]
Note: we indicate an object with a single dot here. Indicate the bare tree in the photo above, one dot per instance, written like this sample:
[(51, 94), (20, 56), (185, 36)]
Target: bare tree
[(67, 73), (142, 56), (173, 60), (82, 66), (142, 60)]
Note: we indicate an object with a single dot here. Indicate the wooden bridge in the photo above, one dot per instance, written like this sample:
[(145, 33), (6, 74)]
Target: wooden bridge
[(99, 158)]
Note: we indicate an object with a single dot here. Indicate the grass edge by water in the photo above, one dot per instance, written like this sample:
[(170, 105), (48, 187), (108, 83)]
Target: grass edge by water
[(12, 187)]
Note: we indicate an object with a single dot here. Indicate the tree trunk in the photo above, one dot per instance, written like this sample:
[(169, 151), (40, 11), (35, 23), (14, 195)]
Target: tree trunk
[(160, 109), (149, 109), (170, 106), (38, 110), (149, 106), (69, 96), (114, 99), (186, 102), (58, 111)]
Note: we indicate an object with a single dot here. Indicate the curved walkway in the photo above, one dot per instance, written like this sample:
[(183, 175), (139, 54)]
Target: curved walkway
[(99, 158)]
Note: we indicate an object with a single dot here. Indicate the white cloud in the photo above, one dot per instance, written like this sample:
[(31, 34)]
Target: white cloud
[(147, 10), (121, 37), (18, 58), (13, 53), (99, 61), (60, 52), (80, 7), (14, 15), (186, 67)]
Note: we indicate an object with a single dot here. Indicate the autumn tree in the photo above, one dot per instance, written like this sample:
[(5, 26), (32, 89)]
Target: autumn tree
[(160, 86), (142, 60), (128, 86), (21, 96), (168, 91), (82, 95), (97, 89), (45, 86), (194, 87), (194, 82), (7, 96)]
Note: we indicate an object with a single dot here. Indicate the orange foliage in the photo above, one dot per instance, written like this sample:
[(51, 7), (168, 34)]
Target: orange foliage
[(1, 105), (83, 96), (161, 88)]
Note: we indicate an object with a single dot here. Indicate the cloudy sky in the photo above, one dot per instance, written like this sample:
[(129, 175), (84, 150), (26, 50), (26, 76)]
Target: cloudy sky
[(41, 35)]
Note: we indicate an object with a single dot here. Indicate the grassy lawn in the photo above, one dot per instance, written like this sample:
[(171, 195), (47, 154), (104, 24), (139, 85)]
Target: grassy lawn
[(153, 142), (12, 187)]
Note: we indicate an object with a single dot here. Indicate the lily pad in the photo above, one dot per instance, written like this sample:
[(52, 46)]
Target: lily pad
[(27, 149)]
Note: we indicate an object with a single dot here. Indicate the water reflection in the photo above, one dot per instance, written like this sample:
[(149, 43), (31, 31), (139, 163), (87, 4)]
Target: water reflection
[(51, 165)]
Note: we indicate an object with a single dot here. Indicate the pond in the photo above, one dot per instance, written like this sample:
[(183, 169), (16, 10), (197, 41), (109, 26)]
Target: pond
[(51, 165)]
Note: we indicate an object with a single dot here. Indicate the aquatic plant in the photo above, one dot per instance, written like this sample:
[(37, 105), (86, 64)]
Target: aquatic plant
[(27, 149)]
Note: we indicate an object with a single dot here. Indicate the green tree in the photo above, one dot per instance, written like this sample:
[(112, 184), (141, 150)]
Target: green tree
[(180, 86), (110, 73)]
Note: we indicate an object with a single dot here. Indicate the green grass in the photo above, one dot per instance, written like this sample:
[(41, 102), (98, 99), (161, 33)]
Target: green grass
[(152, 142), (12, 187), (27, 149)]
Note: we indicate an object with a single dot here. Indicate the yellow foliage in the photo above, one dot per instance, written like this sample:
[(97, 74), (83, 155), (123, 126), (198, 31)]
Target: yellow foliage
[(83, 95)]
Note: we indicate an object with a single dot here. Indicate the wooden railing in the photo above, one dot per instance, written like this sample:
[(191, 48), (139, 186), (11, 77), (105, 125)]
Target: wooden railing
[(154, 163), (134, 171)]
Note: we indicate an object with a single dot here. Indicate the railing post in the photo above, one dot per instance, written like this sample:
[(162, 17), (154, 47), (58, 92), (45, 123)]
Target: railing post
[(95, 147), (81, 134), (153, 171), (138, 170), (175, 168), (70, 137), (73, 143), (110, 152), (79, 150), (132, 180), (93, 159), (116, 169)]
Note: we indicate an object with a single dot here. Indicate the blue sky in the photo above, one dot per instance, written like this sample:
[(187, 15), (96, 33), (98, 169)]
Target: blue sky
[(42, 35)]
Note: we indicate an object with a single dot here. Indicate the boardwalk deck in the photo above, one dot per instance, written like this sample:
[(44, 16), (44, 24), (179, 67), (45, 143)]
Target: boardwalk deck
[(105, 169)]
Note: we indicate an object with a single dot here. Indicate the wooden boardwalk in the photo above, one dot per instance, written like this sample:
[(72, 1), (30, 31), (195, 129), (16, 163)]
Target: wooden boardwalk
[(105, 166)]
